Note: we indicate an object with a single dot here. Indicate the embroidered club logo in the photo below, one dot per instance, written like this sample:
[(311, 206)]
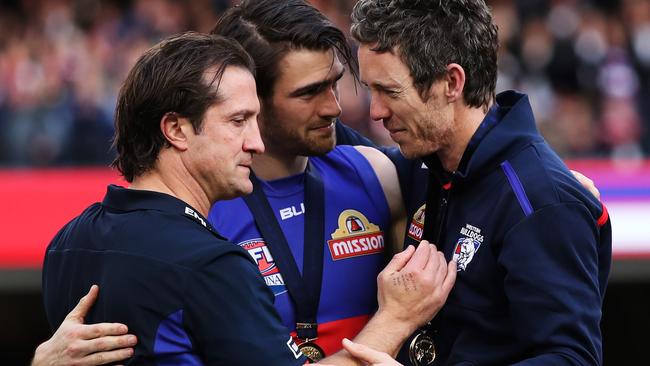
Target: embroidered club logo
[(467, 246), (260, 253), (417, 224), (355, 236)]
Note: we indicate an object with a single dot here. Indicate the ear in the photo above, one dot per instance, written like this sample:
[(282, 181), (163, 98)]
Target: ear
[(175, 129), (455, 80)]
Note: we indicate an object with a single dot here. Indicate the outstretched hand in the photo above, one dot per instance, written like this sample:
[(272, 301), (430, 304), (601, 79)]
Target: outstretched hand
[(368, 355)]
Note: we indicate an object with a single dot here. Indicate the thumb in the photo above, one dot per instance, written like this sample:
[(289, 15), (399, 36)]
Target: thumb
[(400, 259), (81, 310), (362, 352)]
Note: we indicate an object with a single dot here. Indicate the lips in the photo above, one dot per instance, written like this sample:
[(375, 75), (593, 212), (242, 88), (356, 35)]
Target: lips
[(322, 126), (246, 164), (394, 131)]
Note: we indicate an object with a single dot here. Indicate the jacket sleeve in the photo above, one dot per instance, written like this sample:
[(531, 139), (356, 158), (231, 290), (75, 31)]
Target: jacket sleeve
[(551, 259), (232, 317)]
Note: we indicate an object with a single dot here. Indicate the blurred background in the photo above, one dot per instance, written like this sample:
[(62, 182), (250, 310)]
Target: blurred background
[(585, 65)]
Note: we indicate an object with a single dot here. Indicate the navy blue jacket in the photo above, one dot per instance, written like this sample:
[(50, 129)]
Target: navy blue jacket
[(533, 247), (191, 297)]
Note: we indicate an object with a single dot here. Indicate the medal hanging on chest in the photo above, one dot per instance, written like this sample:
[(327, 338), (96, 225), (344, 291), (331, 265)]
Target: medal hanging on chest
[(304, 289), (312, 351), (422, 350)]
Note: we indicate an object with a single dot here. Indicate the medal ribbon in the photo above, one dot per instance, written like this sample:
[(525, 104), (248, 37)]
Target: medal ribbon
[(304, 290), (435, 211)]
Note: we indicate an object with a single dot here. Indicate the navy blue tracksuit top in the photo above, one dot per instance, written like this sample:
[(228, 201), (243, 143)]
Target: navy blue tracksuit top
[(533, 247)]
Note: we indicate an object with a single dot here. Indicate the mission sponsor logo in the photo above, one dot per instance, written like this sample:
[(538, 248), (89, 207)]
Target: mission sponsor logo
[(417, 224), (355, 236), (260, 253)]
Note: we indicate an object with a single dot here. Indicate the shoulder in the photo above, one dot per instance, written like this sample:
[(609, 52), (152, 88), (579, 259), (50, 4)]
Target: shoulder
[(381, 165), (173, 239), (374, 156), (66, 233), (537, 175)]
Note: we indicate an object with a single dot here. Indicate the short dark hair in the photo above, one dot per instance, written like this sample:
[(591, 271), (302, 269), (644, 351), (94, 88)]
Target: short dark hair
[(429, 35), (269, 29), (169, 78)]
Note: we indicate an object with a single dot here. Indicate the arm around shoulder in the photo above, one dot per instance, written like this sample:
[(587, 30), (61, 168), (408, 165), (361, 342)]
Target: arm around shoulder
[(76, 343)]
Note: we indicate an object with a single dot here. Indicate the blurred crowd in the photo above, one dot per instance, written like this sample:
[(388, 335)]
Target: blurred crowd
[(585, 65)]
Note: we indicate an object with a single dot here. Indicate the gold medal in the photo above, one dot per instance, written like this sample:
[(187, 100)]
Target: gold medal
[(313, 352), (422, 350)]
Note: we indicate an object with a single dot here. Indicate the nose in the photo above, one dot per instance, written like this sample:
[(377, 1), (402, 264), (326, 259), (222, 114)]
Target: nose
[(253, 140), (330, 106), (378, 110)]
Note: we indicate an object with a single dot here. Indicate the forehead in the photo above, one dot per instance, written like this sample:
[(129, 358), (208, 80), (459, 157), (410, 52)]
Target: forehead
[(382, 68), (236, 90), (302, 67)]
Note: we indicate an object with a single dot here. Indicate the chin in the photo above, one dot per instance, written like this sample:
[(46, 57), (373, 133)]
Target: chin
[(246, 189), (239, 190), (317, 148), (411, 152)]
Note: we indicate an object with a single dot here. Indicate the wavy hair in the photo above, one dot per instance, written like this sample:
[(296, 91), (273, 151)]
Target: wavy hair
[(428, 35)]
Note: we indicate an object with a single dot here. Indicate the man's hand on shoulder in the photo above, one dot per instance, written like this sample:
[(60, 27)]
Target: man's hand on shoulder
[(76, 343), (587, 183)]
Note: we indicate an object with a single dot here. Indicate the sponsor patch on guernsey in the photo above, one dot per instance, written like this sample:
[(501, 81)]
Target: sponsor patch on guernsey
[(417, 224), (260, 253), (355, 236)]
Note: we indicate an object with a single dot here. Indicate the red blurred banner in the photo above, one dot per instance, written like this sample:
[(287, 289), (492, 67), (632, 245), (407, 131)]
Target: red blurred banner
[(35, 204)]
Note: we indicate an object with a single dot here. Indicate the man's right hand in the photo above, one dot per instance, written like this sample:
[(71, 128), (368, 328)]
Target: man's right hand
[(414, 285), (76, 343)]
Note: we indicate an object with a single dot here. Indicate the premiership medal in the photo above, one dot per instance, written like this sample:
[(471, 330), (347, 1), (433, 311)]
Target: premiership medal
[(313, 352), (422, 350)]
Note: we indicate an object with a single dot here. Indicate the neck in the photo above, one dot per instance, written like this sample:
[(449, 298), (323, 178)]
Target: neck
[(274, 165), (466, 122), (174, 181)]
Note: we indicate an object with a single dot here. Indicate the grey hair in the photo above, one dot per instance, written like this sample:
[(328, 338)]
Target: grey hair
[(428, 35)]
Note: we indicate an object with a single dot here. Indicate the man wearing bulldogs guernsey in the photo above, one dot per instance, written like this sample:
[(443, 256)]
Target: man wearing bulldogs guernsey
[(533, 247), (320, 219)]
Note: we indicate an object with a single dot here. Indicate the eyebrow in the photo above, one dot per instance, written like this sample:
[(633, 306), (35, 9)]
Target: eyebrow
[(316, 86), (382, 87), (241, 112)]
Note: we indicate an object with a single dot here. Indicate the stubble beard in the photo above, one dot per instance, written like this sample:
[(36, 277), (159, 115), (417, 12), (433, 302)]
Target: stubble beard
[(292, 143)]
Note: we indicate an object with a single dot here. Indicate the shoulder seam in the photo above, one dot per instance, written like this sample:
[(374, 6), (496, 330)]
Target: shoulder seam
[(517, 188)]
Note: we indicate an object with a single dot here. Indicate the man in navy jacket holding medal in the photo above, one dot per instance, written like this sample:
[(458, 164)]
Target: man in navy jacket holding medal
[(533, 247)]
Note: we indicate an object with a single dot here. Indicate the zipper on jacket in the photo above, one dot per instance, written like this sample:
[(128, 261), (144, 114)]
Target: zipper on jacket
[(442, 217)]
